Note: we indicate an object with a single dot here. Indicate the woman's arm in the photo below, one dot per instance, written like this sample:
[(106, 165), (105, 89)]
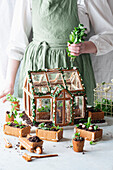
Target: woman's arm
[(20, 31), (101, 18), (87, 46), (10, 78), (102, 22), (21, 28)]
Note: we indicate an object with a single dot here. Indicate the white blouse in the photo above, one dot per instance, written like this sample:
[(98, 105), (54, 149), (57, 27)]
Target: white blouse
[(6, 15), (94, 12)]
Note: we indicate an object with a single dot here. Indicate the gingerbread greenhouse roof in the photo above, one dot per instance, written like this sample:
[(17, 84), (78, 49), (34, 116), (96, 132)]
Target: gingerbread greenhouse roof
[(43, 82)]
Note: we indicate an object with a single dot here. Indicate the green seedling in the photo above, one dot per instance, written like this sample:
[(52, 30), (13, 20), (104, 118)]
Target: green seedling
[(21, 114), (92, 143), (9, 123), (11, 98), (95, 128), (42, 126), (76, 135)]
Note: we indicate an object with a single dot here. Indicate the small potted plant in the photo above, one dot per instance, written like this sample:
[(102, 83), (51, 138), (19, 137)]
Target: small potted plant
[(16, 129), (14, 101), (43, 113), (78, 142), (50, 132), (89, 131), (12, 114)]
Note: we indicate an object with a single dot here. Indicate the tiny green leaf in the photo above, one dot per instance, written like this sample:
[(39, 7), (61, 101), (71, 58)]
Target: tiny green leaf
[(15, 121), (21, 114), (9, 116), (21, 127), (9, 123), (95, 127), (92, 143), (20, 123)]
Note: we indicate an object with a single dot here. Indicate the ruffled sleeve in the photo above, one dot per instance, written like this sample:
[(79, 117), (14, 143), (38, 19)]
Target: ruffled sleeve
[(21, 29)]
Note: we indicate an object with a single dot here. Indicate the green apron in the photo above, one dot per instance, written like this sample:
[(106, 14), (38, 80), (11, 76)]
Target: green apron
[(53, 21)]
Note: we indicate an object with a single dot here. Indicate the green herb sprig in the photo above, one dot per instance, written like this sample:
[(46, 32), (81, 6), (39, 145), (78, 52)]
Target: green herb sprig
[(11, 98), (76, 37)]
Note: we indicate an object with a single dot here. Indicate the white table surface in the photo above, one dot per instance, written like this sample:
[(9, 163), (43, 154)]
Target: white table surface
[(96, 157)]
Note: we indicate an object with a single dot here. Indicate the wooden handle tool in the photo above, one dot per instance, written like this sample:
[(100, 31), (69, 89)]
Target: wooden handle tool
[(28, 158), (8, 144)]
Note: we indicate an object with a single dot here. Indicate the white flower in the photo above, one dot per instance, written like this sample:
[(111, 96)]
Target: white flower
[(46, 69), (112, 80), (74, 68), (52, 91), (53, 104)]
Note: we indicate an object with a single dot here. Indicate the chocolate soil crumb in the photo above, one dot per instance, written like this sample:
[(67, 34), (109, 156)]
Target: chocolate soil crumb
[(26, 118), (17, 145), (34, 139)]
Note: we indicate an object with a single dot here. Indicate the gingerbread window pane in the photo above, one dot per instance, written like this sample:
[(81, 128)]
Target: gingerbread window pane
[(61, 95), (55, 78), (79, 108), (68, 110), (43, 109), (67, 95), (59, 111)]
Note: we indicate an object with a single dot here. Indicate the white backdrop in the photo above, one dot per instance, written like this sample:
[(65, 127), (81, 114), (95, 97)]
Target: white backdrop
[(6, 13), (103, 65)]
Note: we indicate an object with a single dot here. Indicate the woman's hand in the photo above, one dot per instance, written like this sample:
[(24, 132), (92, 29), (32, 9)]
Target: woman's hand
[(86, 47), (9, 88), (10, 78)]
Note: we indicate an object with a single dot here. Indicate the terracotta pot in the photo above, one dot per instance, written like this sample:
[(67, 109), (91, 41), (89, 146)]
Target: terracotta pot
[(13, 131), (9, 119), (17, 107), (54, 136), (78, 145), (88, 135), (96, 115)]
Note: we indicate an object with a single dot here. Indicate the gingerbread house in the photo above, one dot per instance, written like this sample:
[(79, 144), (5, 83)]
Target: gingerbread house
[(56, 95)]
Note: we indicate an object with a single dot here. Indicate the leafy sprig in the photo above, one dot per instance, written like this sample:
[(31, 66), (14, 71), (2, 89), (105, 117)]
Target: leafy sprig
[(11, 98), (76, 37)]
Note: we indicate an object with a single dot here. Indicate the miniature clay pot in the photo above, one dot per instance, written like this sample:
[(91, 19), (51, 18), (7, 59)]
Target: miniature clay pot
[(9, 119), (18, 105), (78, 145)]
